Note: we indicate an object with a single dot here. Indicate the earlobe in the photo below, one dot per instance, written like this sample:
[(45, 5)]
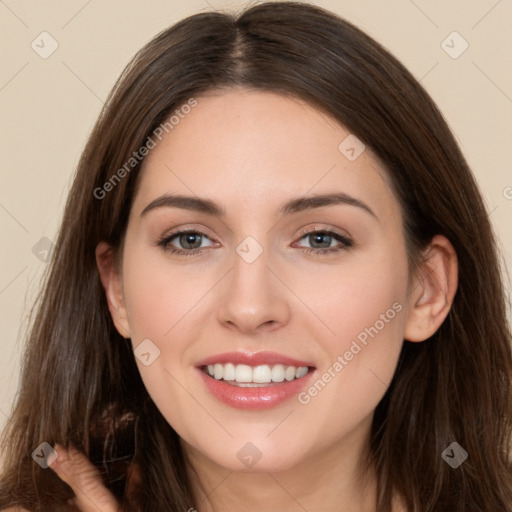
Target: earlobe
[(433, 291), (112, 284)]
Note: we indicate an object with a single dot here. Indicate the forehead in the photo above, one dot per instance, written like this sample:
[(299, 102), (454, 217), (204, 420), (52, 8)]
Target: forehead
[(244, 146)]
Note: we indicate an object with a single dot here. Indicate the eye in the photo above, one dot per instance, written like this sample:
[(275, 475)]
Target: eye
[(191, 242), (320, 242)]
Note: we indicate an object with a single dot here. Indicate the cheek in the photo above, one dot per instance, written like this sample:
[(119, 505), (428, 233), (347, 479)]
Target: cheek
[(159, 297), (162, 303), (361, 306), (355, 299)]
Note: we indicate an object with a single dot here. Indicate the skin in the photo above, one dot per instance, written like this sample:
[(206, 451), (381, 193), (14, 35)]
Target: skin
[(251, 152)]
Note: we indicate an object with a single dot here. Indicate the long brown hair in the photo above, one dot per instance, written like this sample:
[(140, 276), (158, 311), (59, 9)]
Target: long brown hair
[(80, 385)]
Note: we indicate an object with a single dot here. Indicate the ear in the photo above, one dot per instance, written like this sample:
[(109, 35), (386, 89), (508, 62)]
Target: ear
[(112, 283), (433, 290)]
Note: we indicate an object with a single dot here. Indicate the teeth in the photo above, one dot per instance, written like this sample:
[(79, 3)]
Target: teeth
[(229, 372), (218, 371), (289, 373), (278, 373), (262, 374), (243, 373)]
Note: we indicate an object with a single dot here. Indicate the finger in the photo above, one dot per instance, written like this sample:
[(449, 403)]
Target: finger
[(81, 475)]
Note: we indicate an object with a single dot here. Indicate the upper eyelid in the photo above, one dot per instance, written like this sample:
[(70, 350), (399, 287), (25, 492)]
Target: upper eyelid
[(185, 229), (321, 229)]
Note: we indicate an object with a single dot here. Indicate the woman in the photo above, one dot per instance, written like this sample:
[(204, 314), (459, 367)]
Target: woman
[(275, 287)]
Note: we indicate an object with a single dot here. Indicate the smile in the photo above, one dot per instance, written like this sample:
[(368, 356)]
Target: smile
[(254, 381)]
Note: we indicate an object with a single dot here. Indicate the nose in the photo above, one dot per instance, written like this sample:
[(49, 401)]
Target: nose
[(253, 299)]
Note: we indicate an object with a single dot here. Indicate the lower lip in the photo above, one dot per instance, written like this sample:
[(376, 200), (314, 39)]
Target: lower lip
[(263, 397)]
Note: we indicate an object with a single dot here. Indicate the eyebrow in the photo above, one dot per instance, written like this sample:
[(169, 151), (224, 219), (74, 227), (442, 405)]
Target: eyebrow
[(295, 205)]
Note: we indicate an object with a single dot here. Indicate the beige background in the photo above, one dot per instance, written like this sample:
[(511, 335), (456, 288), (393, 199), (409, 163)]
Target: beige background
[(48, 107)]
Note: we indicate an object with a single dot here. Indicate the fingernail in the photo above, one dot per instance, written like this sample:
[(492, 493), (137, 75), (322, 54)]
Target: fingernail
[(58, 452)]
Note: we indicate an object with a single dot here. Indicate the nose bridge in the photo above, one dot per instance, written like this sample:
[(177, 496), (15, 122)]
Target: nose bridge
[(252, 298), (250, 274)]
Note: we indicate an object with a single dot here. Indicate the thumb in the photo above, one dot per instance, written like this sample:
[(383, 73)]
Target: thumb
[(83, 477)]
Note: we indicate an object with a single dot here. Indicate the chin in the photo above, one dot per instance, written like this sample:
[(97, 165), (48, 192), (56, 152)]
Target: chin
[(258, 457)]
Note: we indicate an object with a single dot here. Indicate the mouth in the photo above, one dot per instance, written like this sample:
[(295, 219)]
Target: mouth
[(254, 381)]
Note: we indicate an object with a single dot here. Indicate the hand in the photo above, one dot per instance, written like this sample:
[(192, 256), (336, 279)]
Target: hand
[(82, 476)]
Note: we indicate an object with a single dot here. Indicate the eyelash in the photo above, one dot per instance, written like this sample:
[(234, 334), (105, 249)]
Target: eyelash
[(346, 243)]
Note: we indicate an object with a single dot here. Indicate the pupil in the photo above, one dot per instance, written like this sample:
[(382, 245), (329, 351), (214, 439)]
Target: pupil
[(317, 238), (190, 238)]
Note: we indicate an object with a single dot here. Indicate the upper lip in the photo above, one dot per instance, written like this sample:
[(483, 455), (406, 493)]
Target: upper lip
[(253, 359)]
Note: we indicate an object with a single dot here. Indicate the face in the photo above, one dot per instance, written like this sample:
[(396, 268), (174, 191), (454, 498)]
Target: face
[(296, 306)]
